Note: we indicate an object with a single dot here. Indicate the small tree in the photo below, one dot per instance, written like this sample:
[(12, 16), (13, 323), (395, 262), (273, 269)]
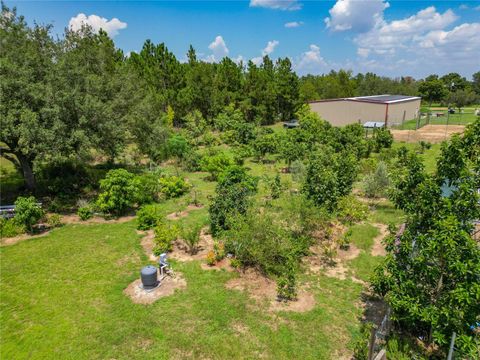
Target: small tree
[(191, 237), (27, 212), (118, 192), (376, 184)]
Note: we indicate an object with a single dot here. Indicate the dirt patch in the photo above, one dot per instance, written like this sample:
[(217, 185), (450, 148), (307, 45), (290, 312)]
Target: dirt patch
[(181, 214), (261, 289), (19, 238), (167, 287), (181, 252), (75, 219), (148, 244), (349, 254), (239, 328), (223, 264), (378, 249), (430, 133), (305, 302)]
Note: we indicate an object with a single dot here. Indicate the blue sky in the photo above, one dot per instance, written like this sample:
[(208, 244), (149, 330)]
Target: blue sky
[(393, 38)]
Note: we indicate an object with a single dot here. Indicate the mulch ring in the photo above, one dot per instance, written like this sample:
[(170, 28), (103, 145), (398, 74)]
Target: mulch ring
[(167, 287), (261, 289), (181, 252)]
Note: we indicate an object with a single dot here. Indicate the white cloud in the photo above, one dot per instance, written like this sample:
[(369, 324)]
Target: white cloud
[(463, 7), (277, 4), (96, 22), (423, 42), (271, 45), (355, 15), (293, 24), (311, 61), (219, 49)]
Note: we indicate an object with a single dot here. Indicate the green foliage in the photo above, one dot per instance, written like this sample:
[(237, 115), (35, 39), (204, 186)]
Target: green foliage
[(192, 161), (216, 164), (54, 220), (10, 228), (231, 198), (191, 237), (351, 210), (118, 192), (148, 216), (148, 187), (275, 187), (27, 212), (329, 177), (298, 169), (177, 146), (360, 347), (219, 250), (85, 212), (165, 235), (376, 184), (287, 286), (383, 139), (265, 143), (173, 186)]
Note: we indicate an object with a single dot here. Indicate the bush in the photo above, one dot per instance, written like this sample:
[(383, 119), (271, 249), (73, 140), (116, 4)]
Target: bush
[(27, 212), (147, 217), (173, 186), (275, 187), (287, 286), (297, 169), (191, 237), (219, 250), (232, 198), (85, 212), (383, 139), (211, 258), (351, 210), (9, 228), (54, 220), (118, 192), (376, 184), (192, 160), (148, 187), (165, 235), (216, 164)]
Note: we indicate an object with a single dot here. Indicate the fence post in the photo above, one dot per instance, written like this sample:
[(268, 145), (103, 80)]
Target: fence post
[(452, 344), (371, 343)]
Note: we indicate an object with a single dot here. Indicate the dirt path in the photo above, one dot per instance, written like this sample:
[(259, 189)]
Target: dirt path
[(19, 238), (75, 219), (378, 249), (430, 133), (181, 214)]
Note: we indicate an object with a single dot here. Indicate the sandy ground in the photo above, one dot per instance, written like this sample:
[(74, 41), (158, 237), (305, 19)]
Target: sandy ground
[(167, 287), (378, 249), (180, 250), (430, 133), (182, 214), (261, 288)]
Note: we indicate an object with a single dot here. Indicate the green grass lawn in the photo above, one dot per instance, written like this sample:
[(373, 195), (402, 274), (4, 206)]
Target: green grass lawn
[(62, 297), (465, 118)]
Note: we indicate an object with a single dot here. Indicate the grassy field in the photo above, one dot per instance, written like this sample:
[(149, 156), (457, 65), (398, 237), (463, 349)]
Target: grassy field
[(464, 118), (61, 297)]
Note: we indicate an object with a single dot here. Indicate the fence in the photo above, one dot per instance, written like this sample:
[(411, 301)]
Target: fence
[(378, 336)]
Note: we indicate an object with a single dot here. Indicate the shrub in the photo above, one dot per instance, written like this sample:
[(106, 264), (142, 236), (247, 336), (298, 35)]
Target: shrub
[(27, 212), (118, 192), (191, 237), (376, 184), (173, 186), (54, 220), (345, 240), (287, 286), (148, 187), (297, 169), (235, 263), (192, 161), (351, 210), (275, 187), (147, 217), (216, 164), (165, 235), (219, 250), (9, 228), (211, 258), (232, 198), (85, 212), (383, 139)]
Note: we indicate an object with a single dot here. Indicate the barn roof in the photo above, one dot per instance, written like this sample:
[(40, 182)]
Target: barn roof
[(376, 99)]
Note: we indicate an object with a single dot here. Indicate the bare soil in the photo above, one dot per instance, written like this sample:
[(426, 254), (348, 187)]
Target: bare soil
[(181, 252), (167, 287), (181, 214), (148, 244), (430, 133), (223, 264), (19, 238), (75, 219), (378, 249), (261, 289)]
